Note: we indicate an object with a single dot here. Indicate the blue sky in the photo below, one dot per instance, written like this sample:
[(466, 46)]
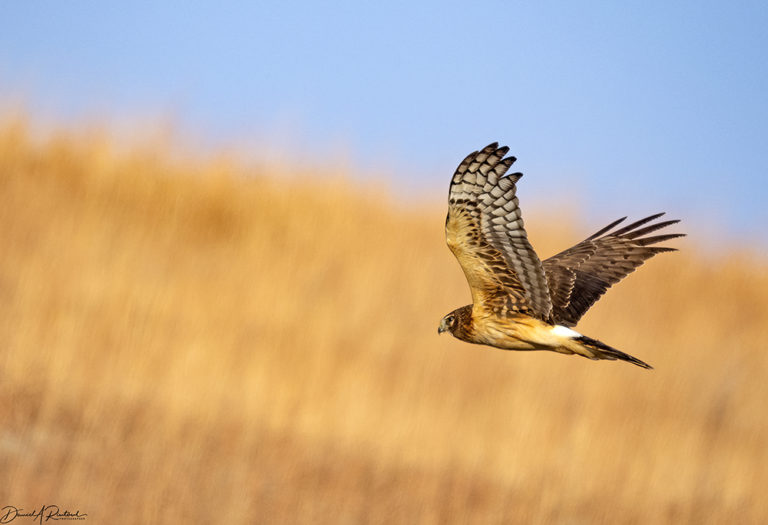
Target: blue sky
[(632, 107)]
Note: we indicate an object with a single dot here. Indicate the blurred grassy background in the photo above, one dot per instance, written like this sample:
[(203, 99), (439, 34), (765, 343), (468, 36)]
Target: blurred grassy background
[(188, 339)]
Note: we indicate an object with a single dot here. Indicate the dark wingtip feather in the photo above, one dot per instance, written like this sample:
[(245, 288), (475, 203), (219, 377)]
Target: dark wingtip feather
[(650, 228), (658, 238), (636, 224), (605, 229), (469, 158)]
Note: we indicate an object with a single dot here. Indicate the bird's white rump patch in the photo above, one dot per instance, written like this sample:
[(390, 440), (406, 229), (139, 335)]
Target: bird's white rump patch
[(564, 331)]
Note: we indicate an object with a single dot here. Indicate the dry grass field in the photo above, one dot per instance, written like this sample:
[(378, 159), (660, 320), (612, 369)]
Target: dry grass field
[(192, 340)]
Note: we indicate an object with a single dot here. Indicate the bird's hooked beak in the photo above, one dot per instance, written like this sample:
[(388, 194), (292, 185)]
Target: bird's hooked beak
[(443, 327)]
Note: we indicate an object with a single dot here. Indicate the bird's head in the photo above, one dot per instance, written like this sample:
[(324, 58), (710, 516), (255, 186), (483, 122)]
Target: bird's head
[(447, 323), (451, 322)]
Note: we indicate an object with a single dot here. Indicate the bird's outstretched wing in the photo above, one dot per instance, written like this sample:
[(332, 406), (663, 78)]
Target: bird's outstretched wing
[(580, 275), (484, 230)]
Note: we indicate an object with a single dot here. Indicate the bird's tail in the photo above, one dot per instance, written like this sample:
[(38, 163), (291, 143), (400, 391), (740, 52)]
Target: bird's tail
[(594, 349)]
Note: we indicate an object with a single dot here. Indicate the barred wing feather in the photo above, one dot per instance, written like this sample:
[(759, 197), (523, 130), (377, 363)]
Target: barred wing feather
[(580, 275), (484, 230)]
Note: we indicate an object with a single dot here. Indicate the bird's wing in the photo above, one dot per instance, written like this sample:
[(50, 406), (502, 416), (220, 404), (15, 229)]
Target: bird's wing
[(484, 230), (580, 275)]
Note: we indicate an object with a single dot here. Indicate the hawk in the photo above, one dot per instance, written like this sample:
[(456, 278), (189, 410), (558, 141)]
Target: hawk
[(518, 301)]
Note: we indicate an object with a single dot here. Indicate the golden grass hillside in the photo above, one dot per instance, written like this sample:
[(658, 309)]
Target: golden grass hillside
[(197, 341)]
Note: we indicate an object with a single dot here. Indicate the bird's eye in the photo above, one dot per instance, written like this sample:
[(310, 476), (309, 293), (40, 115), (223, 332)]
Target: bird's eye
[(449, 319)]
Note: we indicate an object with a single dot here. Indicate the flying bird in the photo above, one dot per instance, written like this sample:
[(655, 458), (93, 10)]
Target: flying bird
[(518, 301)]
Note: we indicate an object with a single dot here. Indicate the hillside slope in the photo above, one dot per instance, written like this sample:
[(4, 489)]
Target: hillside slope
[(197, 340)]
